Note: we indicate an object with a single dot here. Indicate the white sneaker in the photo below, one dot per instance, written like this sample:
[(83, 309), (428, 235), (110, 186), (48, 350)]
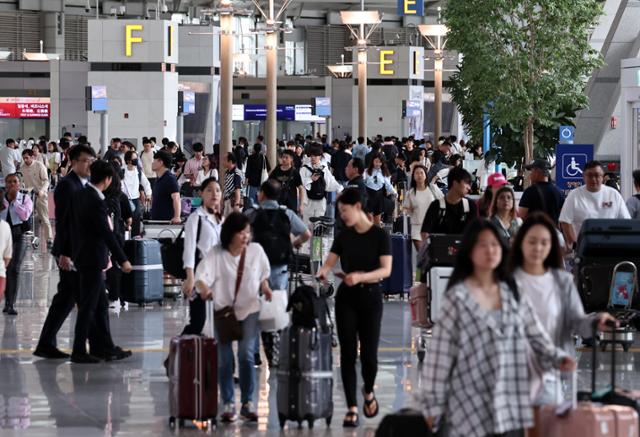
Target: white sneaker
[(114, 303)]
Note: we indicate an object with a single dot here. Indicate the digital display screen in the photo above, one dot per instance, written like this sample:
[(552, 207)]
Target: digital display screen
[(253, 112), (25, 107), (323, 106), (98, 100), (413, 108), (622, 289), (188, 102)]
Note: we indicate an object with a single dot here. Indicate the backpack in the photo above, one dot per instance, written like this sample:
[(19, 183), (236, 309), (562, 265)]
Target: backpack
[(172, 251), (443, 209), (319, 187), (272, 230), (308, 310)]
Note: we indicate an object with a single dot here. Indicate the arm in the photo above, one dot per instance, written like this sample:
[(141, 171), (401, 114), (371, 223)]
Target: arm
[(8, 249), (24, 207), (388, 186), (305, 177), (579, 322), (548, 355), (205, 275), (372, 277), (522, 212), (189, 252), (177, 209), (300, 198), (332, 184), (331, 260), (44, 179), (146, 186), (569, 234), (101, 226)]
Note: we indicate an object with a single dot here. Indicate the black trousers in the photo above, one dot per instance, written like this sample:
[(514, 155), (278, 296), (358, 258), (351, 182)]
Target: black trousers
[(92, 313), (114, 281), (13, 269), (136, 229), (358, 317), (197, 316), (61, 305)]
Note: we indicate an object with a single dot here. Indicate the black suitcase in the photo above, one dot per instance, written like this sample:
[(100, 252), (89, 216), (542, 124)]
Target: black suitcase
[(443, 249), (144, 283), (609, 238), (402, 225), (405, 422), (305, 376), (401, 278)]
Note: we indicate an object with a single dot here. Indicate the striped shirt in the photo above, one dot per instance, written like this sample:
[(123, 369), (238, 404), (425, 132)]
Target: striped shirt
[(232, 182), (477, 375)]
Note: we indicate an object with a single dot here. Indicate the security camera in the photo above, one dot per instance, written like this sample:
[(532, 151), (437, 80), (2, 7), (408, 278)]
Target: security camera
[(87, 7), (165, 9)]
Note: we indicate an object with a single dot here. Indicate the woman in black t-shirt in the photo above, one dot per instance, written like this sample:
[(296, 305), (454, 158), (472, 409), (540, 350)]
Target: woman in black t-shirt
[(365, 256)]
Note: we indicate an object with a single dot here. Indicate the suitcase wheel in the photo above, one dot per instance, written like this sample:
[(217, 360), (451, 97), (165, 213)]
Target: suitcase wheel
[(283, 420), (328, 420), (172, 422), (420, 356)]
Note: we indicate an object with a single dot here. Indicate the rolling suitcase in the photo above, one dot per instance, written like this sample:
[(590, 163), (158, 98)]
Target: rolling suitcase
[(438, 280), (419, 301), (443, 249), (401, 278), (144, 283), (193, 376), (305, 376)]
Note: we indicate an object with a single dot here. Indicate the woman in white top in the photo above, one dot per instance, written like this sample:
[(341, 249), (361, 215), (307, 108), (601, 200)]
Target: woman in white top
[(536, 263), (504, 215), (201, 234), (216, 277), (6, 248), (417, 201), (206, 171), (378, 183)]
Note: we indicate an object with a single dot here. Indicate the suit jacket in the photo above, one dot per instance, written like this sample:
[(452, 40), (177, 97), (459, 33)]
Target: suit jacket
[(93, 237), (63, 198)]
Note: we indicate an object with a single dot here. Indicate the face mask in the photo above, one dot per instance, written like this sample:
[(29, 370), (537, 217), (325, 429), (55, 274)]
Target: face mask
[(134, 162)]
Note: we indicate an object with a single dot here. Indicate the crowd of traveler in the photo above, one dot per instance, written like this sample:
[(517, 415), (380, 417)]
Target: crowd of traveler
[(509, 298)]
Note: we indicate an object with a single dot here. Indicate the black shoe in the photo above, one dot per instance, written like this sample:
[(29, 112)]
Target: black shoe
[(50, 353), (118, 354), (5, 309), (257, 361), (11, 312), (84, 359)]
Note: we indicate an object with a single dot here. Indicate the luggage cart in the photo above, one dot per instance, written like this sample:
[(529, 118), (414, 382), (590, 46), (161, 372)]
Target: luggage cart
[(624, 286), (164, 231), (321, 242)]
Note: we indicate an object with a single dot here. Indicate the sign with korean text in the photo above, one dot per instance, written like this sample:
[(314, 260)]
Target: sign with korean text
[(25, 107), (570, 162)]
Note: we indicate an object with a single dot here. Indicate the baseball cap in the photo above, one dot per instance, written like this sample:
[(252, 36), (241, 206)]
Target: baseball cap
[(540, 164), (496, 180)]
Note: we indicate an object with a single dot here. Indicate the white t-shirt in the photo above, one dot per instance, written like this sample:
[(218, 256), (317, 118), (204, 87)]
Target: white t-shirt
[(542, 293), (8, 158), (6, 246), (582, 204), (219, 269)]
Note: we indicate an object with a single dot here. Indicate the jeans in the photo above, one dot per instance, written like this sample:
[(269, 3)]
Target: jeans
[(252, 194), (246, 350), (13, 269), (279, 279)]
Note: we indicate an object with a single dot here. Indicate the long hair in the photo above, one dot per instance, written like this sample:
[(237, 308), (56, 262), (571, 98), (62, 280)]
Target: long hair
[(464, 266), (494, 202), (554, 259), (384, 169), (414, 185)]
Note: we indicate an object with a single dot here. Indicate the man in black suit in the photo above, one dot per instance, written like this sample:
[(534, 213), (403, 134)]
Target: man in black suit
[(94, 242), (81, 157)]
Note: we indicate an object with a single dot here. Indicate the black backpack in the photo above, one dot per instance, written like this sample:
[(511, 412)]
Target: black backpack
[(308, 310), (272, 230), (318, 189)]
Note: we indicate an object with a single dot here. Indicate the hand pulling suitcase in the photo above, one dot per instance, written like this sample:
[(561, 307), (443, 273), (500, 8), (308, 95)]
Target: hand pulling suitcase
[(193, 376), (305, 376), (401, 278), (144, 283)]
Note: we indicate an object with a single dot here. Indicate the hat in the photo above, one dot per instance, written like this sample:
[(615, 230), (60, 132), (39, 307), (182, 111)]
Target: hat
[(496, 180), (540, 164)]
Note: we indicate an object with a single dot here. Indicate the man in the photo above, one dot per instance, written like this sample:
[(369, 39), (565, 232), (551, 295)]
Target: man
[(114, 150), (446, 150), (399, 175), (373, 151), (193, 165), (390, 152), (542, 195), (94, 241), (317, 181), (165, 204), (256, 162), (9, 157), (16, 212), (133, 182), (339, 162), (361, 149), (278, 230), (291, 188), (633, 202), (146, 159), (232, 189), (591, 200), (35, 178), (458, 210), (263, 146)]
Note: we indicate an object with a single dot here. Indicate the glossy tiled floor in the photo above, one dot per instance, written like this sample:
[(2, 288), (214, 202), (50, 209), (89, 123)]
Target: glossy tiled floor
[(48, 398)]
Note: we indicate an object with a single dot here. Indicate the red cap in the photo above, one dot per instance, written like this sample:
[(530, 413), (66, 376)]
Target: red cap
[(496, 180)]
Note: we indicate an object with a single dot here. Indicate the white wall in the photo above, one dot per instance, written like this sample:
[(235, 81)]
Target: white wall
[(68, 113)]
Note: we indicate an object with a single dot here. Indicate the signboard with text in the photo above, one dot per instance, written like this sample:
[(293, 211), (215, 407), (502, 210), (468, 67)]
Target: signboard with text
[(570, 162), (25, 107), (253, 112), (411, 7)]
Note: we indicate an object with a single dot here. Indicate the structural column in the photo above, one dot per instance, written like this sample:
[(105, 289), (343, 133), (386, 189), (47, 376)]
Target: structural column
[(272, 96), (437, 129), (226, 86), (362, 93)]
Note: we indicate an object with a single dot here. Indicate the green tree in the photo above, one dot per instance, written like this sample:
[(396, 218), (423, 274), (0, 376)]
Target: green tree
[(523, 60)]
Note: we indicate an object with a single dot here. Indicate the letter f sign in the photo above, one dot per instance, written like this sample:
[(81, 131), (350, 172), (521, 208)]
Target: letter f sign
[(130, 39)]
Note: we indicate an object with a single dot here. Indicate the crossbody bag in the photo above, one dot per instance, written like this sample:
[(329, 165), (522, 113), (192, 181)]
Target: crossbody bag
[(228, 326)]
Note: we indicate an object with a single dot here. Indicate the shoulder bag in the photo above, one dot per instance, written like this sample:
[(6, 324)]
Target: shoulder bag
[(265, 174), (228, 327)]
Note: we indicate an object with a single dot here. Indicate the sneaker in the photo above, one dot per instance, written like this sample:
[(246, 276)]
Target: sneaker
[(247, 412), (257, 361), (12, 312), (229, 414), (114, 303)]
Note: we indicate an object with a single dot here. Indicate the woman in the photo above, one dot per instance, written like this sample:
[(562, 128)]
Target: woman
[(365, 258), (536, 263), (455, 160), (40, 152), (476, 372), (201, 234), (6, 248), (207, 171), (217, 277), (378, 183), (53, 161), (417, 201), (504, 215)]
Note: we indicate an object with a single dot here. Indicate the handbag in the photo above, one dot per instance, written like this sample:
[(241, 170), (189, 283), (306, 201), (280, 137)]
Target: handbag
[(228, 327), (273, 314), (172, 251), (265, 174)]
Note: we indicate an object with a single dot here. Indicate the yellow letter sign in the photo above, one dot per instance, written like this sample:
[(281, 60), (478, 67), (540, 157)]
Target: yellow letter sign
[(384, 62), (410, 10), (130, 39)]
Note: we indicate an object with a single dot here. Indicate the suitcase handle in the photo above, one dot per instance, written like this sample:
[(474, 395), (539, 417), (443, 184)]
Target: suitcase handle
[(594, 355)]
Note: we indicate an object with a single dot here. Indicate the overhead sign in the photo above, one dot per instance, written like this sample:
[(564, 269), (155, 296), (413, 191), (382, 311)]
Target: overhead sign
[(570, 162), (186, 102), (130, 38), (253, 112), (411, 108), (411, 7), (385, 61), (566, 134), (322, 106), (25, 107), (96, 98)]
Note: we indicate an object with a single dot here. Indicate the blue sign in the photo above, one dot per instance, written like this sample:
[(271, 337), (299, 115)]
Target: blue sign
[(411, 7), (570, 162), (566, 134), (189, 102), (323, 106), (259, 112)]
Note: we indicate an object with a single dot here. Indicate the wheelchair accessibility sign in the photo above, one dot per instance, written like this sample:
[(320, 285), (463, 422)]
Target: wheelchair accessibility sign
[(570, 162)]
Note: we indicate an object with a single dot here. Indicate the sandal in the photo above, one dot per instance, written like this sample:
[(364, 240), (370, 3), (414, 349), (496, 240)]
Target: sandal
[(367, 405), (351, 420)]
